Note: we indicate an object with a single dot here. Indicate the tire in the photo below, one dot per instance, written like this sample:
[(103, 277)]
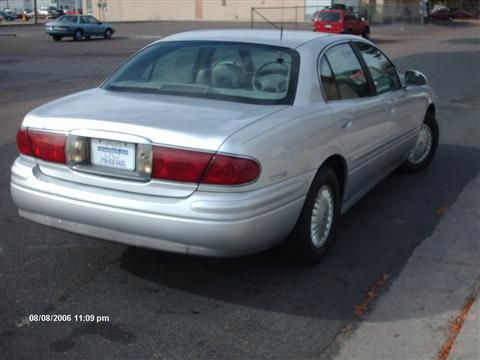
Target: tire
[(108, 34), (57, 37), (77, 35), (304, 245), (366, 34), (87, 37), (428, 137)]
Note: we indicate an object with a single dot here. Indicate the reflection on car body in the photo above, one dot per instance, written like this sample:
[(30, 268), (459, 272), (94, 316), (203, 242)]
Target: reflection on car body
[(224, 143)]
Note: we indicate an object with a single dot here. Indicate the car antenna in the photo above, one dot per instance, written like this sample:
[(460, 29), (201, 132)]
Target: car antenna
[(281, 24)]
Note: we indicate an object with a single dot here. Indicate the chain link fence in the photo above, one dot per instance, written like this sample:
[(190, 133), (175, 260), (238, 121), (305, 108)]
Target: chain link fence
[(300, 17)]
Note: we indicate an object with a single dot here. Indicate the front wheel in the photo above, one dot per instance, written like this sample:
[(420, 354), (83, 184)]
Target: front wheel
[(77, 35), (57, 37), (312, 235), (424, 150), (108, 34)]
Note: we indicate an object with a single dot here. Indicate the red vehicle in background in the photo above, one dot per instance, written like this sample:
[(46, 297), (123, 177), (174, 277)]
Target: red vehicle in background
[(447, 14), (340, 21)]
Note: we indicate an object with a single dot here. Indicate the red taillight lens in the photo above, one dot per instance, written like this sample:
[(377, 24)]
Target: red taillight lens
[(23, 143), (200, 167), (178, 164), (42, 145), (231, 170)]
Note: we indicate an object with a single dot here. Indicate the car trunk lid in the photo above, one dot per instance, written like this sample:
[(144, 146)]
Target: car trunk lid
[(141, 119)]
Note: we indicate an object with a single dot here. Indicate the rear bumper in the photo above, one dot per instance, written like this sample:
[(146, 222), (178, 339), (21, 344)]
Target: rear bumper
[(205, 223)]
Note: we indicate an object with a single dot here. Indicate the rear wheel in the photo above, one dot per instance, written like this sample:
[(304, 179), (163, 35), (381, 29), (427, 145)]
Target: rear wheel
[(77, 35), (422, 153), (87, 37), (312, 235), (108, 34), (57, 37)]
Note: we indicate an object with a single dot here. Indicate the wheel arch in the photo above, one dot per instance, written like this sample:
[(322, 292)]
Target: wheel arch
[(431, 110), (339, 165)]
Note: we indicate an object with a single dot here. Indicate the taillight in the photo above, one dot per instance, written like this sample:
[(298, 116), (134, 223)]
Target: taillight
[(43, 145), (179, 165), (23, 143), (231, 170), (201, 167)]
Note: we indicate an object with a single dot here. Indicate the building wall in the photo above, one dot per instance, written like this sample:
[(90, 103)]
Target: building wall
[(144, 10), (24, 4), (212, 10), (389, 11), (240, 9), (232, 10)]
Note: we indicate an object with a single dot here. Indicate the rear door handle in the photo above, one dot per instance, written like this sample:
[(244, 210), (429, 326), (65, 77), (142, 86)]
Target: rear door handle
[(346, 125)]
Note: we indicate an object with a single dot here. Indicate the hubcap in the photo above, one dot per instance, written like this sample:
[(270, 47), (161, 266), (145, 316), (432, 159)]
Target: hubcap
[(322, 216), (422, 147)]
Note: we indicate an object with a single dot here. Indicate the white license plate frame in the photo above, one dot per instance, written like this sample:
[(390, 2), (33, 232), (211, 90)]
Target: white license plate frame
[(113, 154)]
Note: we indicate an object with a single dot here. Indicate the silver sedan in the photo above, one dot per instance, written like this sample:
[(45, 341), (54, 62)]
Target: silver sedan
[(225, 143)]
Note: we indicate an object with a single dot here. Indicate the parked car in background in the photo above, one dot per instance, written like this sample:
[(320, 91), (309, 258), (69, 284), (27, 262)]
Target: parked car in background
[(340, 21), (225, 143), (448, 14), (54, 13), (78, 27), (43, 12), (73, 11), (8, 16), (29, 13)]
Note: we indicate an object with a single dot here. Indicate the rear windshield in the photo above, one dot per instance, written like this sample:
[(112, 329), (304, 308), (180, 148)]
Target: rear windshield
[(328, 16), (240, 72)]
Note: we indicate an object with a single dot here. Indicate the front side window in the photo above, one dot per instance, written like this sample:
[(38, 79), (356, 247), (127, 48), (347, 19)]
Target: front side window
[(349, 76), (92, 20), (382, 71), (240, 72)]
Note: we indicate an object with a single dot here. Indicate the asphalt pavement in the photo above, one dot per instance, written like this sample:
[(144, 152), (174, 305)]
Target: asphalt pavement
[(153, 305)]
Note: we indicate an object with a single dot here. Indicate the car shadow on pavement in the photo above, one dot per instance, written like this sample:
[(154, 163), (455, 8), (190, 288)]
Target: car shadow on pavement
[(377, 236), (464, 41)]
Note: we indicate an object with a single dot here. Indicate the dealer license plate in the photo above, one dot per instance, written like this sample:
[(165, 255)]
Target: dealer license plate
[(113, 154)]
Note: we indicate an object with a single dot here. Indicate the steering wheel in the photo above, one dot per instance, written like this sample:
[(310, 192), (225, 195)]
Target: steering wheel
[(271, 77)]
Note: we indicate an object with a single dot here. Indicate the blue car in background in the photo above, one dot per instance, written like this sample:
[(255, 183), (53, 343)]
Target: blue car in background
[(78, 27), (4, 15)]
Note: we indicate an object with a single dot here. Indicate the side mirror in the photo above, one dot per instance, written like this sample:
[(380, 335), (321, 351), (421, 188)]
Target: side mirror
[(414, 77)]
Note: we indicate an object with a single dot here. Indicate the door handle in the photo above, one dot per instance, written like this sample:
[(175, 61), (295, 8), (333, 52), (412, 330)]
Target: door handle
[(346, 125)]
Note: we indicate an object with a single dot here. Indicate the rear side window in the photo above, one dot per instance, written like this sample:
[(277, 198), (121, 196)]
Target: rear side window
[(349, 76), (382, 71), (66, 18), (328, 81)]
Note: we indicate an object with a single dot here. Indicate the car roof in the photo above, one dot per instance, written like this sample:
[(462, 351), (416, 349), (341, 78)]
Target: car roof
[(291, 39)]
